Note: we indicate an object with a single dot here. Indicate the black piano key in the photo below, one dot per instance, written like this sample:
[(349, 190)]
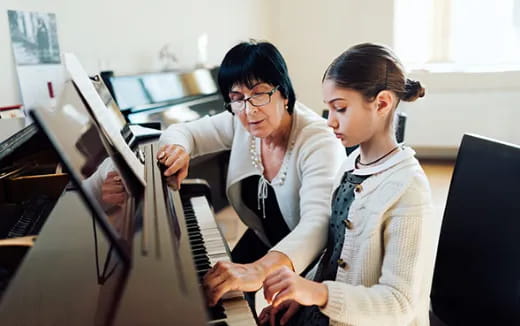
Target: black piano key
[(193, 228), (202, 258), (196, 239), (217, 312), (197, 242), (202, 269), (202, 262), (33, 215), (202, 266), (195, 236), (200, 246), (202, 272), (199, 251), (202, 254)]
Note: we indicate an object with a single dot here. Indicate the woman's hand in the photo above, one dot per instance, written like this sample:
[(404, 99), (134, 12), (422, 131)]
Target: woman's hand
[(112, 190), (284, 284), (270, 314), (228, 276), (176, 160)]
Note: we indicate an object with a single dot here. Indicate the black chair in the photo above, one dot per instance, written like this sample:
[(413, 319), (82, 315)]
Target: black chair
[(477, 271), (399, 128)]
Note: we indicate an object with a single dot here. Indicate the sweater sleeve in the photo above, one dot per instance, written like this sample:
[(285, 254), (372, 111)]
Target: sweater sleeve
[(202, 136), (319, 159), (407, 267)]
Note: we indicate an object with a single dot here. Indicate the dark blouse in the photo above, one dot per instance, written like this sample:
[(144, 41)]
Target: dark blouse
[(274, 224)]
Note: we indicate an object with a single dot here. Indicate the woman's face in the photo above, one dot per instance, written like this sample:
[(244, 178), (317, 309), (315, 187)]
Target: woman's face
[(259, 121), (353, 119)]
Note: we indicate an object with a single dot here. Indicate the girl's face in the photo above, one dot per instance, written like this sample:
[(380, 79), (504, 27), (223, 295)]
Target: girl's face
[(260, 121), (353, 119)]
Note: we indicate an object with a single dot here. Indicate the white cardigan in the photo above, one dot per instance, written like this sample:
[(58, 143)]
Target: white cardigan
[(304, 196), (390, 250)]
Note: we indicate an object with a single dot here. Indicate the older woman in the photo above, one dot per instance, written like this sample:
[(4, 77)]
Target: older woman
[(282, 162)]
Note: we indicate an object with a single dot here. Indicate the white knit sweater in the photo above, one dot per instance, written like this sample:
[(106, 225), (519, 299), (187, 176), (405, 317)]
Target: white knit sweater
[(390, 251), (303, 196)]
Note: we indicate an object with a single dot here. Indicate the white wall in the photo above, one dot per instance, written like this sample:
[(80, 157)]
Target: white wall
[(126, 36), (312, 33), (458, 103)]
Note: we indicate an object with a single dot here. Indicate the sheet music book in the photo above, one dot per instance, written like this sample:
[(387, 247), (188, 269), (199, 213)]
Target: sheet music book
[(102, 115)]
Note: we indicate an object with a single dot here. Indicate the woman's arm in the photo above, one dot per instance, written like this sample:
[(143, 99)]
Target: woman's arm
[(319, 160), (303, 244), (180, 142), (227, 276), (202, 136)]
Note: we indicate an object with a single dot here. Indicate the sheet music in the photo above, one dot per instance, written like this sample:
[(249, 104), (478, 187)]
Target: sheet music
[(102, 114)]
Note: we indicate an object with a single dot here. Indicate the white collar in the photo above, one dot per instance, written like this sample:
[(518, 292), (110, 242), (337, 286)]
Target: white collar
[(405, 153)]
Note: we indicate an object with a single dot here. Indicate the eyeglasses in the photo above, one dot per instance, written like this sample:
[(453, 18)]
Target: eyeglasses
[(256, 100)]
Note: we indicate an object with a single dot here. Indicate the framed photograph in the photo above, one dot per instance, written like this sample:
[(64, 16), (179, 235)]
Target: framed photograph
[(34, 37)]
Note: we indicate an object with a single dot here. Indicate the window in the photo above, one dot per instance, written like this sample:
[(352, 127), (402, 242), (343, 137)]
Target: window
[(458, 35)]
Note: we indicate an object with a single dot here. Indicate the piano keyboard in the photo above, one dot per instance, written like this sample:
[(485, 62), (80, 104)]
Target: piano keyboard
[(208, 248), (32, 218)]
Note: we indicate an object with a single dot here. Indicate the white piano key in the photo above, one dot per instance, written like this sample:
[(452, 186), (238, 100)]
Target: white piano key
[(234, 303)]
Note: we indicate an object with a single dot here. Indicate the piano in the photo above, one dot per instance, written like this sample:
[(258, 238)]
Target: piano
[(136, 261), (57, 284), (30, 184)]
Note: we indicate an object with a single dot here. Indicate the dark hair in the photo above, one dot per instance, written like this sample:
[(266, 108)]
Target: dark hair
[(250, 62), (371, 68)]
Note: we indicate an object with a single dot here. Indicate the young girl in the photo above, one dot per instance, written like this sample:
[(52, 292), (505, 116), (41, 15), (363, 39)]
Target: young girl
[(378, 264)]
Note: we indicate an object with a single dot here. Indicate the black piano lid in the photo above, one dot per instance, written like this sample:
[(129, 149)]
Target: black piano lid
[(87, 158), (152, 290)]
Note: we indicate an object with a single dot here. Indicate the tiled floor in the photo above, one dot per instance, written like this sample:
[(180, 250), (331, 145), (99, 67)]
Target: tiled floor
[(438, 172)]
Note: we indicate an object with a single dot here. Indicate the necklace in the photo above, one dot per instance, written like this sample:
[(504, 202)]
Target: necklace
[(262, 182), (358, 159), (256, 161)]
